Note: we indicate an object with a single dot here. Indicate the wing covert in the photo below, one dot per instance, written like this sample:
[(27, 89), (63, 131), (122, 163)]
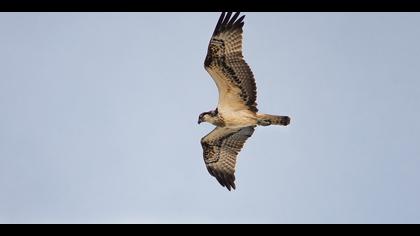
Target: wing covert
[(225, 63), (220, 150)]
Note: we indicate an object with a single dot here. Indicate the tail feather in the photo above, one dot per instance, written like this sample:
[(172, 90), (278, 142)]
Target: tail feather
[(265, 120)]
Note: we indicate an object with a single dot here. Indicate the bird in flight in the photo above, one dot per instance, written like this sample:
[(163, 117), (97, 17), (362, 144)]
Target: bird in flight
[(236, 115)]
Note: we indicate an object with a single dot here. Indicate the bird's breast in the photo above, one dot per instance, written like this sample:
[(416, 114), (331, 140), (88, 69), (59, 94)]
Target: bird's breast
[(239, 119)]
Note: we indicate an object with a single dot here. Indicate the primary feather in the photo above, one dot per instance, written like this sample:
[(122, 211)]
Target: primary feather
[(224, 62), (220, 149)]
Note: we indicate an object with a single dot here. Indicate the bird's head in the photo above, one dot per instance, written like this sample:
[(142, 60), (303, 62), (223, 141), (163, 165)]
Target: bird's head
[(206, 116)]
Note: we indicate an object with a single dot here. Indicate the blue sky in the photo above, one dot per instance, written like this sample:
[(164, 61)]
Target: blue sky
[(99, 119)]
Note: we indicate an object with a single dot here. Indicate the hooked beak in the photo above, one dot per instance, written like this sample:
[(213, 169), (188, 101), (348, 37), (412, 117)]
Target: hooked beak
[(199, 121)]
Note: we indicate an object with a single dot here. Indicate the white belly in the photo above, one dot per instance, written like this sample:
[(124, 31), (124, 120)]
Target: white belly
[(239, 119)]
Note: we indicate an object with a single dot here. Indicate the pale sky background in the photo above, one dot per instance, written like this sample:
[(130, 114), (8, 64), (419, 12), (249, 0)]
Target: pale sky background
[(99, 116)]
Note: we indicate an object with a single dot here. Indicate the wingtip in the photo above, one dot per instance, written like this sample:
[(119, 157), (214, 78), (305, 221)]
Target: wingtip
[(231, 186), (227, 21), (225, 180), (230, 182)]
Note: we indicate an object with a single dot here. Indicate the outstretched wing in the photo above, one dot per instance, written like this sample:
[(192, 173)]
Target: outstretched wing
[(220, 149), (224, 62)]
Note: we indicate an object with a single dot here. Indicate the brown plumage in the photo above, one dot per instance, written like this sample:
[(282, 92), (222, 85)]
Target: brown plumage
[(224, 59), (236, 114), (220, 148)]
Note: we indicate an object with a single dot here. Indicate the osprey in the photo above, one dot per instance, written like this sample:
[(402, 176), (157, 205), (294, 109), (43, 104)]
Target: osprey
[(236, 115)]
